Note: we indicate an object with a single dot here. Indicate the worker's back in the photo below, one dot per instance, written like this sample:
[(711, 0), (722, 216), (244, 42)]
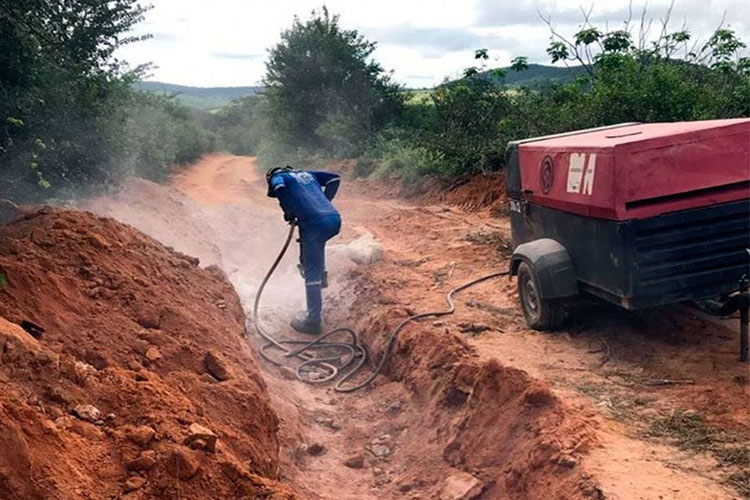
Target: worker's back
[(306, 200)]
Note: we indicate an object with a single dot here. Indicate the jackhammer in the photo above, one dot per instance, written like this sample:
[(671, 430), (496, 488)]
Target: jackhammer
[(352, 353)]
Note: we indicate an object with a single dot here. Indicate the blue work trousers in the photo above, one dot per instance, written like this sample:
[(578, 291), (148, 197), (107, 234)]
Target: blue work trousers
[(313, 236)]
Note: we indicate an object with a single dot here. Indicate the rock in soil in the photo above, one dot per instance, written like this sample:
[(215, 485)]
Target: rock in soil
[(380, 450), (134, 483), (145, 461), (58, 395), (153, 354), (566, 460), (327, 422), (141, 435), (355, 462), (316, 449), (364, 250), (183, 463), (217, 366), (472, 329), (87, 430), (148, 316), (82, 371), (201, 438), (88, 413), (140, 347), (461, 486), (97, 359), (287, 373)]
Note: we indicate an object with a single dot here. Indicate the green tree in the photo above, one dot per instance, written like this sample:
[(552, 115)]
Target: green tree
[(324, 93), (59, 83), (69, 117), (471, 116), (237, 125), (668, 79), (618, 80)]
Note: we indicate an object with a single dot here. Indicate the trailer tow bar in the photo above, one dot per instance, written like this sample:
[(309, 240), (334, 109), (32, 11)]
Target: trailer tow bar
[(740, 301), (743, 304)]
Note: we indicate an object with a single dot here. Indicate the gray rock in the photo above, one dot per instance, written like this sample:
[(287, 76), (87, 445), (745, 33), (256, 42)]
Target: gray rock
[(380, 450), (89, 413)]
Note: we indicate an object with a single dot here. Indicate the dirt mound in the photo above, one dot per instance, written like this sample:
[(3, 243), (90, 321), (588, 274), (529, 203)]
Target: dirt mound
[(163, 212), (478, 192), (232, 235), (141, 366), (474, 193)]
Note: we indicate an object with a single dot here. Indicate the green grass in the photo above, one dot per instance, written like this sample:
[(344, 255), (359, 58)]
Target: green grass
[(418, 96)]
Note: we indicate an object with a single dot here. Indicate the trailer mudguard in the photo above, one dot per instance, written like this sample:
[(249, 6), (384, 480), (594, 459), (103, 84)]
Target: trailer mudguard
[(552, 264)]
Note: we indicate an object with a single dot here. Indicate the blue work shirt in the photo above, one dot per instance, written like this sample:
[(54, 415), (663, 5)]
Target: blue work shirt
[(305, 195)]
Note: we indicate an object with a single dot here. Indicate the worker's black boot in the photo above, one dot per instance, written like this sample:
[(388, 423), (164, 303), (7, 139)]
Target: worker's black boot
[(305, 325)]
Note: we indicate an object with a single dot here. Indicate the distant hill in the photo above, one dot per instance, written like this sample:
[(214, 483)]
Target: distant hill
[(539, 74), (209, 98), (206, 98)]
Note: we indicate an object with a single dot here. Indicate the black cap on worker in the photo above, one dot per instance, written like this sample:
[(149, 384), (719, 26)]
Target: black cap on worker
[(274, 170)]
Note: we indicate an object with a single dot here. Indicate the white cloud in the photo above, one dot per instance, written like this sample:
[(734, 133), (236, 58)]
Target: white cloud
[(225, 42)]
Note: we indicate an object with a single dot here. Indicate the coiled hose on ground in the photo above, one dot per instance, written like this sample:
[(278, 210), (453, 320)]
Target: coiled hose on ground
[(332, 359)]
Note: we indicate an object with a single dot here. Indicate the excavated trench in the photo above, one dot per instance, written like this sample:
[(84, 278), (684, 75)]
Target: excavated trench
[(444, 420), (438, 423)]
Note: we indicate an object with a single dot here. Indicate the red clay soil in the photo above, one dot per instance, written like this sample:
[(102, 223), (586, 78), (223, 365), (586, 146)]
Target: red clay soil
[(457, 412), (471, 193), (472, 405), (497, 423), (127, 326)]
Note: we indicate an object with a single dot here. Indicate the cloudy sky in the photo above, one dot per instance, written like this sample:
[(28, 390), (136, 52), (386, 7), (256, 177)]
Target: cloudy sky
[(224, 42)]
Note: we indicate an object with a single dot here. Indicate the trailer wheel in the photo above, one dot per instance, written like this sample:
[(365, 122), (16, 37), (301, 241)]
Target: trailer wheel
[(540, 314)]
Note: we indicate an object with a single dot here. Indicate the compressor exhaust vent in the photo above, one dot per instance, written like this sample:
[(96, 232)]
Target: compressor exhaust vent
[(700, 249)]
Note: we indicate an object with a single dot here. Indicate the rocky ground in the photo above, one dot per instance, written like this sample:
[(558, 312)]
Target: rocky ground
[(125, 370)]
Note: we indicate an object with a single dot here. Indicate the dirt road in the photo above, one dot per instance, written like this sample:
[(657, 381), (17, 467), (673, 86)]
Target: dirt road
[(617, 406)]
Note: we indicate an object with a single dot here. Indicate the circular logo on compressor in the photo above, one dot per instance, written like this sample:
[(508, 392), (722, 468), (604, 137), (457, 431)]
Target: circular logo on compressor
[(547, 174)]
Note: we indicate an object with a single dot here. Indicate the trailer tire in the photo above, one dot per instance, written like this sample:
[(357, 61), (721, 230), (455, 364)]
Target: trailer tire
[(540, 314)]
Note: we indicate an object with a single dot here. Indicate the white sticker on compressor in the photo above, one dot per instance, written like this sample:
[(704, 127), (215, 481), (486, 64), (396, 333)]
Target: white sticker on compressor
[(576, 173)]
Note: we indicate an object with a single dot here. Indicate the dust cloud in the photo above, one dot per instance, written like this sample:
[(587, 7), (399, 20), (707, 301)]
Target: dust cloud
[(242, 239), (228, 222)]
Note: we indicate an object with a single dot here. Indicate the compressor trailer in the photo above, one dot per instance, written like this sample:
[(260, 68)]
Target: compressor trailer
[(639, 215)]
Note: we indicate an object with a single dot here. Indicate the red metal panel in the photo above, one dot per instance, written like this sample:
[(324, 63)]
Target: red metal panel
[(640, 171), (585, 195)]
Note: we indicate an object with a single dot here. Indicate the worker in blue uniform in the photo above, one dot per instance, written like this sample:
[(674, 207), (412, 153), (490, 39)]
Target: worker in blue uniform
[(305, 197)]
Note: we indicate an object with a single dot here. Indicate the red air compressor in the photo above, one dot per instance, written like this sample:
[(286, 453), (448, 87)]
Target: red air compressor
[(639, 215)]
